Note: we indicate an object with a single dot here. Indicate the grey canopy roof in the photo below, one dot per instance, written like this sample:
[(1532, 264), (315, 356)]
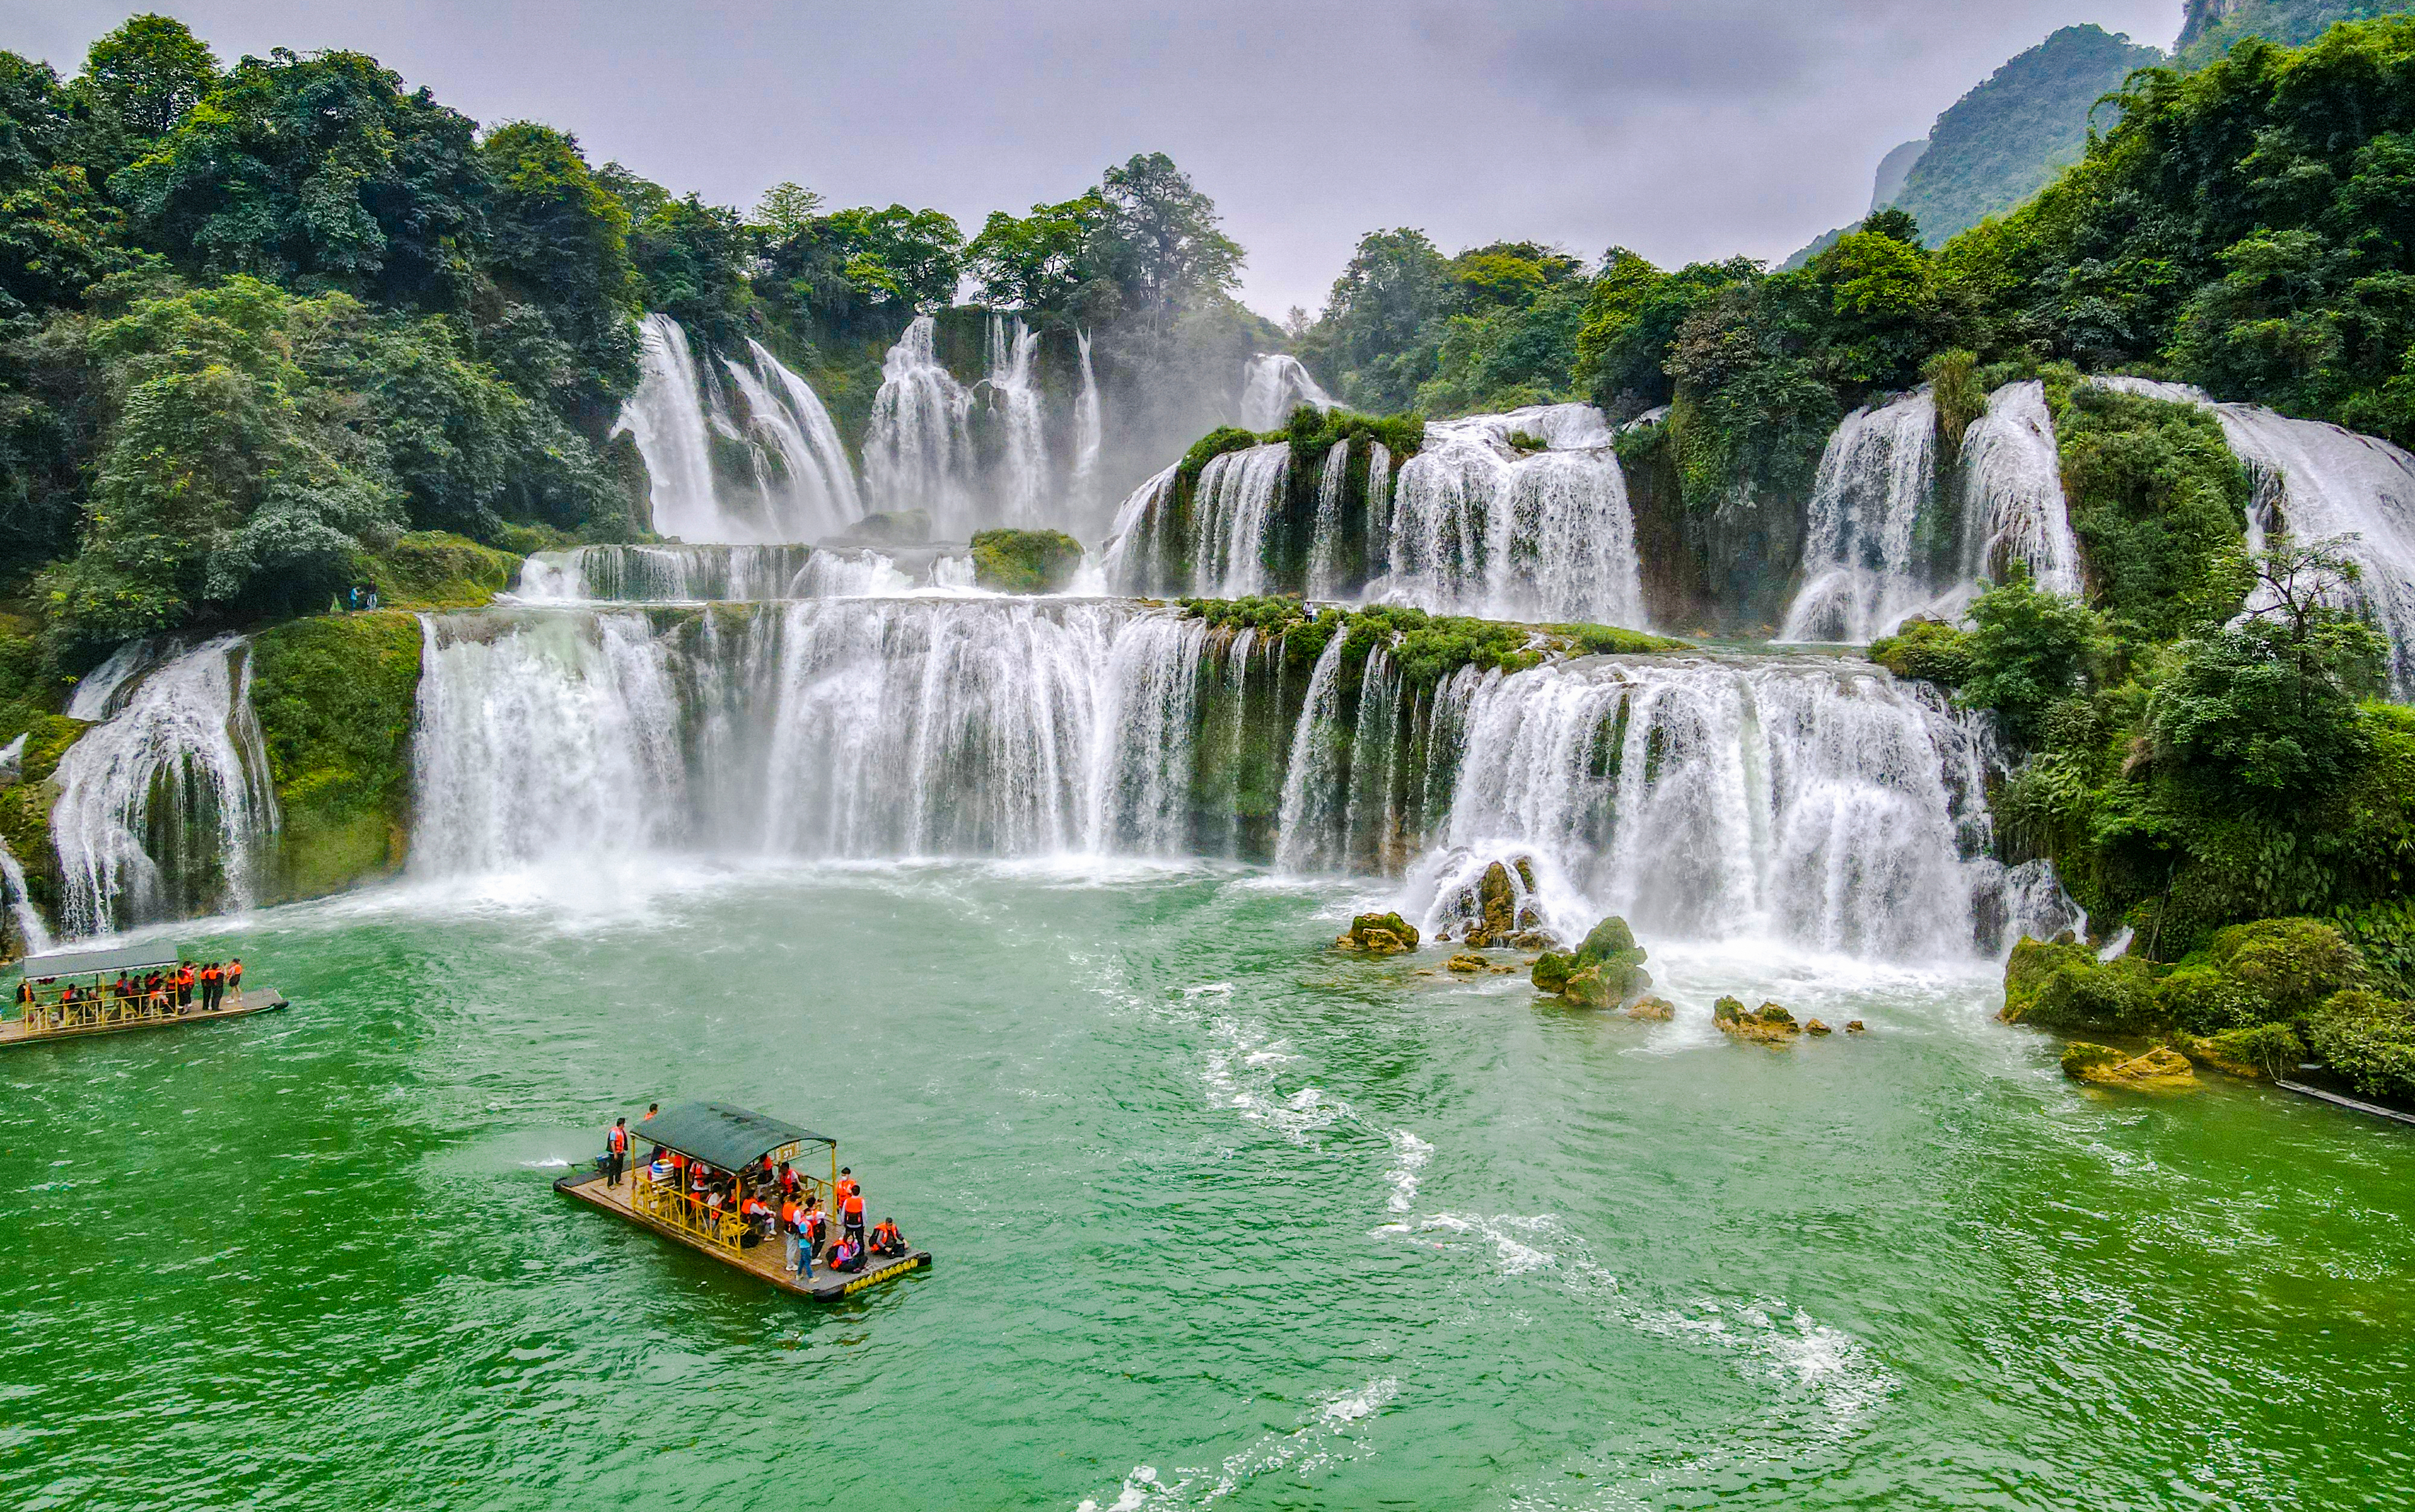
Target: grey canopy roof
[(722, 1134), (103, 963)]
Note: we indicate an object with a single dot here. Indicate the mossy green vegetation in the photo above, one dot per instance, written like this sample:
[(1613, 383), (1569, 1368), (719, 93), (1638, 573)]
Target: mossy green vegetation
[(1925, 650), (336, 696), (1024, 561), (437, 570)]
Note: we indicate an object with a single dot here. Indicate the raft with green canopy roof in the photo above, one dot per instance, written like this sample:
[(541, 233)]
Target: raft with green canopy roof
[(740, 1149), (70, 995)]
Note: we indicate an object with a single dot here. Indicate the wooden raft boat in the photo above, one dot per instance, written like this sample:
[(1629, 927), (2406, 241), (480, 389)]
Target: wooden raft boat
[(46, 1018), (729, 1139)]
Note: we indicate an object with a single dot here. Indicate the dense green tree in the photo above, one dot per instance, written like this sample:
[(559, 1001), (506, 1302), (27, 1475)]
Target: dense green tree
[(866, 272), (1159, 243), (1376, 339), (563, 287), (1632, 313), (1044, 262), (2026, 650), (319, 170)]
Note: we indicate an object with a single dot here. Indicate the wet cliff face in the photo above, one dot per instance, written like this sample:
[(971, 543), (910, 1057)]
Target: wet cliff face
[(1677, 592), (1728, 569)]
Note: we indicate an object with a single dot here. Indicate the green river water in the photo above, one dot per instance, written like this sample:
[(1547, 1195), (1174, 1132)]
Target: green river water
[(1219, 1218)]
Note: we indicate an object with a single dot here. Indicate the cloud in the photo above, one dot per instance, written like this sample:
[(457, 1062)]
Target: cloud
[(1684, 129)]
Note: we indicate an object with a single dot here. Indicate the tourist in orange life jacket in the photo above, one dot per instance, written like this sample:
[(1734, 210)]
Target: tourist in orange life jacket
[(787, 1180), (847, 1255), (791, 1239), (886, 1240), (616, 1151), (850, 1213), (235, 976), (816, 1226)]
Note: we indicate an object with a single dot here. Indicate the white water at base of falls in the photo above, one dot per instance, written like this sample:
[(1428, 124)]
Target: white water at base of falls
[(1862, 576), (165, 807), (919, 451), (1473, 525), (1273, 385), (738, 574)]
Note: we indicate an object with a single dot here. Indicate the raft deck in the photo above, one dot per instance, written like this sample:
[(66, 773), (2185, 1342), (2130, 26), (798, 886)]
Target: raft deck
[(123, 1018), (761, 1262)]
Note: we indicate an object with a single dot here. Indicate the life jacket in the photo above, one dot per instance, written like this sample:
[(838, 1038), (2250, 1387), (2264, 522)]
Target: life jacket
[(788, 1215), (620, 1145), (854, 1207)]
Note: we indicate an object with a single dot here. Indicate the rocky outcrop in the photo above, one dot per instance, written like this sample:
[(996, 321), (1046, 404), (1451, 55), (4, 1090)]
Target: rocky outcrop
[(1468, 964), (1769, 1023), (2160, 1070), (1499, 910), (1652, 1009), (1379, 934), (1606, 971), (1814, 1026)]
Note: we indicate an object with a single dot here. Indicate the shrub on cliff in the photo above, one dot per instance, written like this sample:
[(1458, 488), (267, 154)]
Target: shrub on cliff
[(1925, 650), (2368, 1038), (1024, 561)]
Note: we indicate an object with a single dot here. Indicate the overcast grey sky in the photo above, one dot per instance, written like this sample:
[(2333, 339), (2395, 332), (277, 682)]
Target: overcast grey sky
[(1682, 128)]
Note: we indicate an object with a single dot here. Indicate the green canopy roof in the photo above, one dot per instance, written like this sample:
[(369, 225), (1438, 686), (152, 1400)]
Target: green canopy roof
[(101, 963), (719, 1133)]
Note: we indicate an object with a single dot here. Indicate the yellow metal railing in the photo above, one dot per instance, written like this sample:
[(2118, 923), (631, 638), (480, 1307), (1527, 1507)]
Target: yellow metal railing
[(53, 1016), (722, 1227)]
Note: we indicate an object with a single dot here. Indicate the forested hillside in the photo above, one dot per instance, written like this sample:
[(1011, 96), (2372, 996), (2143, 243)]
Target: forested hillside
[(261, 323), (2213, 26)]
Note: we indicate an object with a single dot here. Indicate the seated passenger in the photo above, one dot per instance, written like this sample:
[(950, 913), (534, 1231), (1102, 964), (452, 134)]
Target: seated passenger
[(886, 1240), (847, 1256)]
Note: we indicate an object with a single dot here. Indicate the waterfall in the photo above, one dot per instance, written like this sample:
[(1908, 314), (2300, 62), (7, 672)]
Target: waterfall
[(661, 574), (1314, 797), (666, 418), (2012, 507), (1136, 560), (1325, 542), (840, 727), (164, 809), (1089, 435), (1379, 501), (1861, 558), (1229, 514), (1014, 397), (1812, 800), (1473, 525), (2319, 481), (802, 485), (1272, 386), (919, 452), (32, 932)]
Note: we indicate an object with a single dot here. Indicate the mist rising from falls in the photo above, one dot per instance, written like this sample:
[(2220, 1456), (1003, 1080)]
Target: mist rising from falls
[(164, 809), (919, 452), (1273, 386), (799, 485)]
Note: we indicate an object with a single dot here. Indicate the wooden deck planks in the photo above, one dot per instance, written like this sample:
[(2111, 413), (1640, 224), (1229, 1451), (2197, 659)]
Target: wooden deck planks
[(762, 1262), (243, 1005)]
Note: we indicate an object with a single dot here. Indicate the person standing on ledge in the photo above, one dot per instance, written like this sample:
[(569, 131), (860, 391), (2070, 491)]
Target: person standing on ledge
[(616, 1148), (234, 978)]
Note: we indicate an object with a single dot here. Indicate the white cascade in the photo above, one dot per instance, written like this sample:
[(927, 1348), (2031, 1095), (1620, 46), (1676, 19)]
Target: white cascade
[(661, 574), (1476, 526), (1324, 539), (863, 728), (1136, 558), (919, 451), (32, 932), (665, 416), (1230, 510), (1814, 801), (1273, 385), (164, 809), (1861, 557), (1312, 798), (818, 494), (1015, 399), (2013, 506), (1089, 435), (1379, 502)]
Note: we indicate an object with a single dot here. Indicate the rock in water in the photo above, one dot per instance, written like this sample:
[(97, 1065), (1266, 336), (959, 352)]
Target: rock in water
[(1769, 1023), (1496, 902), (1608, 937), (1815, 1026), (1552, 969), (1854, 1026), (1653, 1009), (1586, 989), (1379, 934), (1470, 964), (2160, 1070)]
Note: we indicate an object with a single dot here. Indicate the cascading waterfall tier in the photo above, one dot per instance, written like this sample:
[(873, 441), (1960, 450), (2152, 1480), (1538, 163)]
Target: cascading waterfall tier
[(735, 574), (1273, 385), (1476, 525), (1015, 400), (1862, 564), (1812, 800), (794, 481), (2319, 481), (1089, 437), (919, 452), (1471, 524), (2013, 504), (165, 808)]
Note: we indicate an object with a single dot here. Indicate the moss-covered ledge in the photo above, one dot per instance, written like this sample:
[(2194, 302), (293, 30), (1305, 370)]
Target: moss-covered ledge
[(336, 696)]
